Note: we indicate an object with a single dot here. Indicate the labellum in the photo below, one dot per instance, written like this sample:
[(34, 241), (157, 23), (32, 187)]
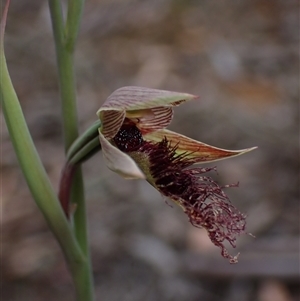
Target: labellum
[(201, 198)]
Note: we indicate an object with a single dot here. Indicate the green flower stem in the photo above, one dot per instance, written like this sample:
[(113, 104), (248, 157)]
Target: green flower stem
[(86, 152), (66, 75), (87, 137), (65, 38), (84, 147), (75, 9), (34, 172)]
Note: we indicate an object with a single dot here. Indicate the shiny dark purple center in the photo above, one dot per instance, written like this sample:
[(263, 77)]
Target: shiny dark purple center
[(129, 138)]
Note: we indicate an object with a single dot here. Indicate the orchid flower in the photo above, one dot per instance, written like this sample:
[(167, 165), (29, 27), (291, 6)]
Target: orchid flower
[(136, 144)]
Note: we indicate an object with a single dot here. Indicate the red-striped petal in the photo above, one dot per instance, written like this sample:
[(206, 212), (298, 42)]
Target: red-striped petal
[(149, 109), (133, 98), (196, 150)]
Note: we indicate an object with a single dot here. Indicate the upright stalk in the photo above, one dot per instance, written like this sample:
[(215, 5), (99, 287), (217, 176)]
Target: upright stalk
[(65, 38), (36, 176)]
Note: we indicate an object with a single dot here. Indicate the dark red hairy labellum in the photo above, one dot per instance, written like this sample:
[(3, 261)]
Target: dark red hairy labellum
[(202, 199)]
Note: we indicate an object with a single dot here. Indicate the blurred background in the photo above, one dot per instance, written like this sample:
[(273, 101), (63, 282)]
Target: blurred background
[(241, 58)]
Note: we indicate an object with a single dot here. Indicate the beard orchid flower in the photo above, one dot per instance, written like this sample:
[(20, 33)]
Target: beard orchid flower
[(136, 144)]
